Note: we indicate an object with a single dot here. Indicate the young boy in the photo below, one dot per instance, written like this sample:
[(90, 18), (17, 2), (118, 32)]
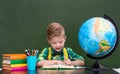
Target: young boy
[(57, 53)]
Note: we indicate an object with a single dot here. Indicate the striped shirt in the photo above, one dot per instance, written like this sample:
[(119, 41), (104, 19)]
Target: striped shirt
[(58, 55)]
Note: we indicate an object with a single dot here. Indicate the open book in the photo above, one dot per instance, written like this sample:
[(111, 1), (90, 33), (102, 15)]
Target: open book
[(58, 67)]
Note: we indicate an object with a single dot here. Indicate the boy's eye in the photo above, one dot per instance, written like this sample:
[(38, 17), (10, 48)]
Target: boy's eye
[(54, 43), (60, 42)]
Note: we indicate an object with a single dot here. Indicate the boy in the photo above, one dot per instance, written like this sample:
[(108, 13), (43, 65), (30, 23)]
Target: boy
[(57, 53)]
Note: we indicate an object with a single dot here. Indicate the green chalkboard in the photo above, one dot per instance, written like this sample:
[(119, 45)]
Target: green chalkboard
[(23, 23)]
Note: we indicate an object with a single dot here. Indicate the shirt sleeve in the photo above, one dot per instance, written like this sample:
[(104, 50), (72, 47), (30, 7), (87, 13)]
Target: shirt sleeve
[(73, 56), (43, 55)]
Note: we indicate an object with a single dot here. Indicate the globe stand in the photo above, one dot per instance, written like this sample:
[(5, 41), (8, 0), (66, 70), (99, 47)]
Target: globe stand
[(96, 66)]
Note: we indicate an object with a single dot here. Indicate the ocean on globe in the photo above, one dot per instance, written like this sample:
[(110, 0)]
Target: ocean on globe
[(97, 36)]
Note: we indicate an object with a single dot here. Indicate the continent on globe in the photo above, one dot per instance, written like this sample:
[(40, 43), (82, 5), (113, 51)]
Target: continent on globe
[(104, 46)]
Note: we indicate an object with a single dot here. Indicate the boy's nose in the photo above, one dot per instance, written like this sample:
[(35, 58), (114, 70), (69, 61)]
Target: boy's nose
[(57, 44)]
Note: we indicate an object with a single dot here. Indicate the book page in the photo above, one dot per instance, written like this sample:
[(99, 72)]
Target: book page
[(0, 69), (78, 67), (6, 61), (66, 66), (50, 66), (58, 67), (117, 69)]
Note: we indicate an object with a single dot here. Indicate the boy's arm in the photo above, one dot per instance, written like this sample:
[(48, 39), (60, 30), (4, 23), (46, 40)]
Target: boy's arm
[(75, 58), (75, 63), (78, 62)]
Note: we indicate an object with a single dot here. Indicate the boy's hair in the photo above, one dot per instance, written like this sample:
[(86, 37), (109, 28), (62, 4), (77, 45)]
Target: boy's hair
[(55, 30)]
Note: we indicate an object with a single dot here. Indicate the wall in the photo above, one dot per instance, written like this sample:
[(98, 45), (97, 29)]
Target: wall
[(23, 23)]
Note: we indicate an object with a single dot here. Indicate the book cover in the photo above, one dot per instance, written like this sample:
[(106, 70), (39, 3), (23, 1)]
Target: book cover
[(17, 61), (58, 67), (15, 68), (19, 72), (14, 72), (14, 56), (13, 65)]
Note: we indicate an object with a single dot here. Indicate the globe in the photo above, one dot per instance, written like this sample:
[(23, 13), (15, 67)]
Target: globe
[(97, 36)]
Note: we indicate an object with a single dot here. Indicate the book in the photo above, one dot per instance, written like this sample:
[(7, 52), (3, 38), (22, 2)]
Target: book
[(17, 61), (13, 65), (15, 68), (58, 67), (14, 56), (117, 69), (19, 72)]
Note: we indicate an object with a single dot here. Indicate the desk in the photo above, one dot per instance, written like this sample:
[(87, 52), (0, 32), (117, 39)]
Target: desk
[(78, 71)]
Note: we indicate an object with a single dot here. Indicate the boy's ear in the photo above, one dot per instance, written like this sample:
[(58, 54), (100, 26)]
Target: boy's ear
[(48, 40), (65, 37)]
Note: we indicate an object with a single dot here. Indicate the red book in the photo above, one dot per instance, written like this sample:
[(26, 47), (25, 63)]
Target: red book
[(15, 68), (14, 72)]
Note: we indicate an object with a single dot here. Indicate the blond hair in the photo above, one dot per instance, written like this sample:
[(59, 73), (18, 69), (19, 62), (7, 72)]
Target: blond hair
[(55, 30)]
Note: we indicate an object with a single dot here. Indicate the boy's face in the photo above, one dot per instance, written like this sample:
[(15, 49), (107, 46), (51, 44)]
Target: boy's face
[(57, 42)]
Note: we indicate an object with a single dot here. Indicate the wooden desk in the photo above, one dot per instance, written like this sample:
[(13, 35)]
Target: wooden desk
[(79, 71)]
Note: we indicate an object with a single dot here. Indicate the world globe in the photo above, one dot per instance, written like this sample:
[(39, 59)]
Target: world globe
[(97, 36)]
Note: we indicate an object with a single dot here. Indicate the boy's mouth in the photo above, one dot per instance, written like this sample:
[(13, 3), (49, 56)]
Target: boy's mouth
[(57, 48)]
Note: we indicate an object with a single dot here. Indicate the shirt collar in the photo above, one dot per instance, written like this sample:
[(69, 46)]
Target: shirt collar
[(54, 52)]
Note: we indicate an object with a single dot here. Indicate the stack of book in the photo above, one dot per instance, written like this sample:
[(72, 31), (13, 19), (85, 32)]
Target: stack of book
[(14, 62)]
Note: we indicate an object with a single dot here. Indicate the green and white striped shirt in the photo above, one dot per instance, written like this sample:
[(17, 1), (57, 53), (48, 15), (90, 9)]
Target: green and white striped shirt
[(58, 55)]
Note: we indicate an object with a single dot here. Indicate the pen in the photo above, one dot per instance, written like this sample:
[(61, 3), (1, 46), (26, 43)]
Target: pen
[(34, 52), (27, 53), (37, 52)]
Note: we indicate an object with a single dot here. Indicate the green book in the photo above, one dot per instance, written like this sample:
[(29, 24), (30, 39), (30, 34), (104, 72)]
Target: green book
[(19, 61), (58, 67)]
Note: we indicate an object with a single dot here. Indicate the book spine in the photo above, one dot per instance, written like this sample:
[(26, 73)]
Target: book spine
[(21, 61), (13, 65), (18, 65), (16, 68), (14, 56), (19, 72), (19, 68)]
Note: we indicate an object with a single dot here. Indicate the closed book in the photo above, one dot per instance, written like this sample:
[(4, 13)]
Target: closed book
[(14, 56), (17, 61), (58, 67), (13, 65), (15, 68), (19, 72), (14, 72)]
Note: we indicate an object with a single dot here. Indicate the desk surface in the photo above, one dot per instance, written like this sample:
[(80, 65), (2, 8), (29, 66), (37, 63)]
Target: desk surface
[(78, 71)]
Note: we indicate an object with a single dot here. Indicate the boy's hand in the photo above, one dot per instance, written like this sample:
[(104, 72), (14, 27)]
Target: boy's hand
[(67, 61), (58, 62), (52, 62)]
